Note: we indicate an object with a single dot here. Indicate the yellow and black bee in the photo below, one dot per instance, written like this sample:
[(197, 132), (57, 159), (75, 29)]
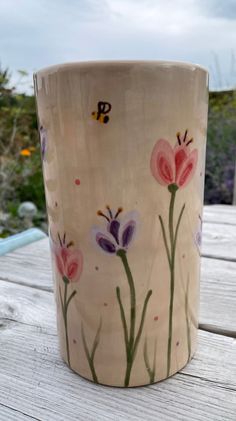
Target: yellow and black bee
[(101, 114)]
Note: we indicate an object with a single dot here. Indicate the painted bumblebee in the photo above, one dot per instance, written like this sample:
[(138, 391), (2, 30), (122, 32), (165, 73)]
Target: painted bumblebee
[(103, 109)]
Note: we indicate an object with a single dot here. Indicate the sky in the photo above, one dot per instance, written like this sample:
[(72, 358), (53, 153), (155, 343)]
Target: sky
[(39, 33)]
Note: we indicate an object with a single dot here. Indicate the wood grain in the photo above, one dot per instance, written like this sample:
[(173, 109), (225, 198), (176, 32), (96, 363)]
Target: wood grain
[(35, 381), (218, 296), (29, 265), (220, 214), (11, 414), (219, 241)]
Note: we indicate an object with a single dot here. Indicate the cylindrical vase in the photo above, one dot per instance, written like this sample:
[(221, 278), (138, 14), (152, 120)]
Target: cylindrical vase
[(123, 155)]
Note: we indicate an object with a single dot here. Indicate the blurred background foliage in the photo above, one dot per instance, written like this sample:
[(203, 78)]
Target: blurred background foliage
[(20, 160)]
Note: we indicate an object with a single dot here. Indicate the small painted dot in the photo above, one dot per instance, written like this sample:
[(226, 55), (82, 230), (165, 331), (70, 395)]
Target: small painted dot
[(96, 267), (156, 318), (183, 256), (77, 181), (56, 204), (177, 343), (105, 304), (74, 341)]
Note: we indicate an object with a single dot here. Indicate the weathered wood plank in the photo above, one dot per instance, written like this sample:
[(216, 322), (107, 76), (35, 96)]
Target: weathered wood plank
[(29, 265), (25, 305), (218, 296), (43, 387), (10, 414), (219, 241), (220, 214), (34, 380)]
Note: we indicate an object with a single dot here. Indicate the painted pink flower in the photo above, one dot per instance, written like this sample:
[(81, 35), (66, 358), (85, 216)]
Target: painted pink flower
[(117, 233), (69, 261), (174, 165)]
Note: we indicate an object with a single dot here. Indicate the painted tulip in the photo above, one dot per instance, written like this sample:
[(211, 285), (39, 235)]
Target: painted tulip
[(174, 165), (69, 261)]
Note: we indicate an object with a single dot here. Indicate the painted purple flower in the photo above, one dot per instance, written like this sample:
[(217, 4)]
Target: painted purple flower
[(43, 141), (114, 238), (198, 234), (117, 234)]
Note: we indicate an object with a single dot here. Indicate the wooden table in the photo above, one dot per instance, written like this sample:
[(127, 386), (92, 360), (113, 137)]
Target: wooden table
[(35, 384)]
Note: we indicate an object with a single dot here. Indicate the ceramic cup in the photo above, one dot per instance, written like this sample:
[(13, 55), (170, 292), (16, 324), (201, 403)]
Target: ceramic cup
[(123, 155)]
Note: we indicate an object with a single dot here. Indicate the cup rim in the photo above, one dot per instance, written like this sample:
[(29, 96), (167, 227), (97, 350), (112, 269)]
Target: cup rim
[(100, 63)]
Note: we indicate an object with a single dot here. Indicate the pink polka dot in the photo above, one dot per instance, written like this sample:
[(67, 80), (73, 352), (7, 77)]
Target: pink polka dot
[(77, 181), (156, 318)]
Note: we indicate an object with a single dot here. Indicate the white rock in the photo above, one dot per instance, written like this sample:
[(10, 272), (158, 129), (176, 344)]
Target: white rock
[(27, 210)]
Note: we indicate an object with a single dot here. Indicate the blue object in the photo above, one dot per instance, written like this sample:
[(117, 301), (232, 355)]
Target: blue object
[(19, 240)]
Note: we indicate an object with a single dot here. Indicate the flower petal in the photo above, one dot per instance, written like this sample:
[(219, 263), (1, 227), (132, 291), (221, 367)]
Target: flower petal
[(59, 264), (128, 233), (129, 217), (74, 265), (105, 243), (113, 228), (162, 162), (64, 252), (181, 153), (187, 169)]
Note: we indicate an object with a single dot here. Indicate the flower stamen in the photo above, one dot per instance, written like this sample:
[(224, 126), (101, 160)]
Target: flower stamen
[(59, 239), (100, 213), (178, 137), (70, 244), (185, 135), (109, 211), (190, 141), (119, 210)]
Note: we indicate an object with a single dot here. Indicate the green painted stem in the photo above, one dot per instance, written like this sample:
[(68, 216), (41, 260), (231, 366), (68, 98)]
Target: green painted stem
[(123, 320), (172, 277), (90, 356), (130, 338), (173, 233), (131, 341), (65, 304), (122, 254), (151, 371), (65, 322), (137, 339)]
